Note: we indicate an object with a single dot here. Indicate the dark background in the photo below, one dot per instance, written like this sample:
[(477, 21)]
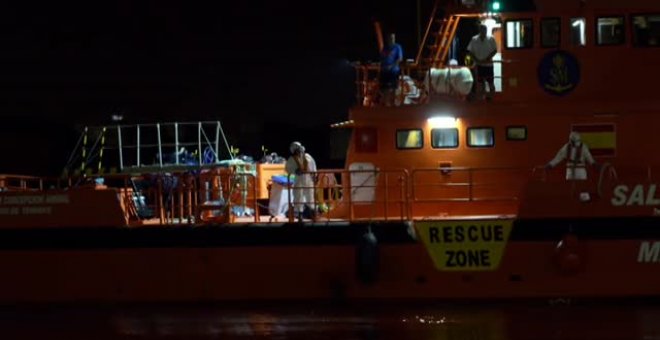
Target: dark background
[(272, 72)]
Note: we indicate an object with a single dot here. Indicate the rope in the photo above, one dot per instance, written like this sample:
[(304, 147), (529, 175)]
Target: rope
[(101, 151), (84, 152), (612, 173), (90, 158)]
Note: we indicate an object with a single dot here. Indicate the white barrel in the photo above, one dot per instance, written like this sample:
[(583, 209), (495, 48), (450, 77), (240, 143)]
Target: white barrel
[(450, 80)]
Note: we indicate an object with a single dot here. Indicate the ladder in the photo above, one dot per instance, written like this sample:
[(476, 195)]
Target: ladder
[(438, 37)]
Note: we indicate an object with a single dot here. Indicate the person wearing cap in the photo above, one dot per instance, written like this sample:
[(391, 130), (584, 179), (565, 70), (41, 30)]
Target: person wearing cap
[(303, 166), (577, 156)]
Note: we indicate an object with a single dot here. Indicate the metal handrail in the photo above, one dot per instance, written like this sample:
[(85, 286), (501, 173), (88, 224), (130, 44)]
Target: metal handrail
[(348, 189), (470, 183), (397, 193)]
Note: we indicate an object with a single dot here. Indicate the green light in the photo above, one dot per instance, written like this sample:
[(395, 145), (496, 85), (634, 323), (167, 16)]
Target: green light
[(496, 6)]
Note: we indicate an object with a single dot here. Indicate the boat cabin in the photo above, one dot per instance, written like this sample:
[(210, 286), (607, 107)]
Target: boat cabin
[(585, 70)]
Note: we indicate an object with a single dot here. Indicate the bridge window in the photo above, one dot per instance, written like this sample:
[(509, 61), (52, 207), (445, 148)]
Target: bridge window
[(516, 133), (578, 31), (409, 139), (480, 137), (646, 30), (550, 32), (519, 34), (610, 31), (444, 138)]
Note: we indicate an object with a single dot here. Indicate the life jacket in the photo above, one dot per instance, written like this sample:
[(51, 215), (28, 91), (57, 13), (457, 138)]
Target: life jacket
[(575, 161)]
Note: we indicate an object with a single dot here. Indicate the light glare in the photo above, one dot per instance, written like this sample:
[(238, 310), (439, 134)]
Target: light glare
[(443, 122)]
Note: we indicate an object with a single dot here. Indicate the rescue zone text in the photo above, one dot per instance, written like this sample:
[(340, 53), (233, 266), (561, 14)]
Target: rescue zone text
[(471, 233), (465, 245)]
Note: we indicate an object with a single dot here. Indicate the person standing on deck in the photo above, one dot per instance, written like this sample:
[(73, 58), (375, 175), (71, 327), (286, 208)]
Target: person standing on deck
[(577, 156), (481, 49), (390, 58), (302, 165)]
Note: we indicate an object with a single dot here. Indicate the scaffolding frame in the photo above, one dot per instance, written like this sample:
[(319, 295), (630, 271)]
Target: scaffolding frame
[(155, 147)]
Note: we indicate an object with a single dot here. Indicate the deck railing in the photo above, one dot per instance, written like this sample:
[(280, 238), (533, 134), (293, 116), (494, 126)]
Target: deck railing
[(224, 195), (359, 194), (414, 85), (20, 182), (468, 184)]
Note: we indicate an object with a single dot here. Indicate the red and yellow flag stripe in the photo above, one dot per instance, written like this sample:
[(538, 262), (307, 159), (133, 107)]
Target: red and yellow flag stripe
[(600, 138)]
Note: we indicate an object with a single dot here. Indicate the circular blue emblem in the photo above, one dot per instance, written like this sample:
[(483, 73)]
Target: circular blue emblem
[(559, 73)]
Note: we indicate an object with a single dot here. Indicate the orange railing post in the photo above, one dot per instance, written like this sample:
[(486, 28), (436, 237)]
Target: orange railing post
[(405, 197), (385, 201), (470, 184), (351, 212), (289, 196), (159, 200), (255, 189)]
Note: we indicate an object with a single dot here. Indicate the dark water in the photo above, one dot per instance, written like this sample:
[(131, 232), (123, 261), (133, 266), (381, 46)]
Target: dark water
[(556, 320)]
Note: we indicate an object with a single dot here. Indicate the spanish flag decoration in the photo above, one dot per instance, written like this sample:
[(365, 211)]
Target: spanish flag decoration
[(600, 138)]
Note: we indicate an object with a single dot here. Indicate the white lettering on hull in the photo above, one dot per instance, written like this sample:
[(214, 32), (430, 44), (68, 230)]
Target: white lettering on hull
[(31, 204), (649, 252), (639, 195), (34, 199)]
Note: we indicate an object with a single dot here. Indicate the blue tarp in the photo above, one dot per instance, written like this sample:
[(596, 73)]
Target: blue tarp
[(282, 179)]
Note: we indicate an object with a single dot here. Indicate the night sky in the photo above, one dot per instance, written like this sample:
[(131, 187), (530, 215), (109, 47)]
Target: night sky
[(271, 71)]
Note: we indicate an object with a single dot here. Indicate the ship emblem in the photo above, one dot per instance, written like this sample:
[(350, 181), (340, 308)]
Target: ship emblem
[(559, 72)]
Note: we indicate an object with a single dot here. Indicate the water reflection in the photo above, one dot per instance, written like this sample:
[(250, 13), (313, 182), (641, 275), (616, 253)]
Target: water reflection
[(357, 321)]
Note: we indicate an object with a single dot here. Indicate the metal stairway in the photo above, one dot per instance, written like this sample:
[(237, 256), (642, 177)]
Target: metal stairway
[(438, 37)]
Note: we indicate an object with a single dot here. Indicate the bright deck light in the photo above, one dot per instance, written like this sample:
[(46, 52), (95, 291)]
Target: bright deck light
[(443, 122)]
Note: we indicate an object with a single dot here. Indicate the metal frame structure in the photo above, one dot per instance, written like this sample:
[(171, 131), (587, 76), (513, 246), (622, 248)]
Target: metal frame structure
[(144, 147)]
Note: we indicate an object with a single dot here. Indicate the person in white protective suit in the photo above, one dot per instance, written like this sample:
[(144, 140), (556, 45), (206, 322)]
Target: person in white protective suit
[(577, 156), (303, 166)]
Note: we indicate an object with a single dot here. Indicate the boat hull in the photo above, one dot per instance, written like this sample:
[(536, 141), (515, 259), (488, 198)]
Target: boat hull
[(319, 262)]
